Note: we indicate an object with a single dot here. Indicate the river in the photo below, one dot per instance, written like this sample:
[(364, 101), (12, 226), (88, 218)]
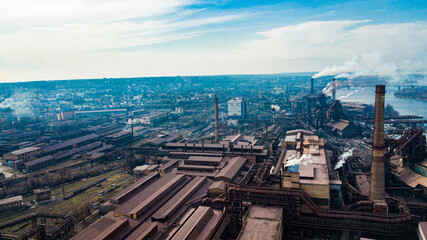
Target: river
[(367, 95)]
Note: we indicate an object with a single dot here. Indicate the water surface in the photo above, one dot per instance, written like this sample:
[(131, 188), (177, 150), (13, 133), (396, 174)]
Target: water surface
[(367, 95)]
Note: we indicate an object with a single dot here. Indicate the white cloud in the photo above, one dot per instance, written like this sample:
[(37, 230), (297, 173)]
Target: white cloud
[(73, 48), (48, 11)]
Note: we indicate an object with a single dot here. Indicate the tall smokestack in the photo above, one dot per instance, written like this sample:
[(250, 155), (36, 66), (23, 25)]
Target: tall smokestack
[(376, 191), (334, 86), (216, 121), (312, 85)]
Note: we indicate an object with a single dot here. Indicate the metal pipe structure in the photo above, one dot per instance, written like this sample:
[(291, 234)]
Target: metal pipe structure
[(312, 85), (376, 191), (324, 213), (216, 121), (334, 86), (279, 162)]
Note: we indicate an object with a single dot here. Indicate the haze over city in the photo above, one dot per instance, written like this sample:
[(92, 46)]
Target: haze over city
[(213, 120)]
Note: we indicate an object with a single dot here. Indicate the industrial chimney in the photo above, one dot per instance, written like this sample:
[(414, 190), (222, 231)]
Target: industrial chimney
[(312, 85), (216, 121), (334, 86), (376, 191)]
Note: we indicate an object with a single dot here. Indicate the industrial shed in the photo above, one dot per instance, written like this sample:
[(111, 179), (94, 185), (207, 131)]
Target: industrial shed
[(200, 225), (230, 171), (39, 163)]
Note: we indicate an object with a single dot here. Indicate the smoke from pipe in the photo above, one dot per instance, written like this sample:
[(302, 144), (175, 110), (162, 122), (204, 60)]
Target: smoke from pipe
[(348, 95), (343, 157), (294, 160), (362, 65)]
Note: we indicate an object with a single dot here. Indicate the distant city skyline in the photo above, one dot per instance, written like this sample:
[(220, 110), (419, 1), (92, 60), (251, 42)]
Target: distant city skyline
[(49, 40)]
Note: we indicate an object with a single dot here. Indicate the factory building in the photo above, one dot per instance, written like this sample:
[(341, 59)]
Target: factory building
[(39, 163), (200, 225), (124, 137), (342, 128), (144, 169), (69, 144), (253, 153), (11, 203), (229, 172), (15, 158), (305, 166), (42, 195), (147, 209), (237, 108)]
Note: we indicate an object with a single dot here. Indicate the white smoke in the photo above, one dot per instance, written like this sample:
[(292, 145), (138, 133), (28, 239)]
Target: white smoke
[(294, 160), (348, 95), (363, 65), (20, 102), (344, 156), (328, 88)]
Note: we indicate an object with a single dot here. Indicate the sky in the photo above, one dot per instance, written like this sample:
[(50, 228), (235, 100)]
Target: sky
[(76, 39)]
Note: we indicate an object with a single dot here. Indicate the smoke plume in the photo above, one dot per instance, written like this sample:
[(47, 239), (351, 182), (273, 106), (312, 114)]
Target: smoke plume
[(362, 65), (20, 102), (348, 95), (344, 156), (294, 160)]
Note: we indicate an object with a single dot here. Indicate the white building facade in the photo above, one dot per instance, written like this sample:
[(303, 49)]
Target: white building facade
[(237, 108)]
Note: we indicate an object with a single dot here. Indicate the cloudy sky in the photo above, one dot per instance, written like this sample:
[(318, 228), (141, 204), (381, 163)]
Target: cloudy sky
[(69, 39)]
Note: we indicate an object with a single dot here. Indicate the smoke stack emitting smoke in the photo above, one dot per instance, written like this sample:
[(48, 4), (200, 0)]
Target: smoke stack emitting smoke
[(312, 86)]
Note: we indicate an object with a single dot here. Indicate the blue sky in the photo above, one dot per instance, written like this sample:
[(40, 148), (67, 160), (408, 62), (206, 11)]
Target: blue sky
[(51, 39)]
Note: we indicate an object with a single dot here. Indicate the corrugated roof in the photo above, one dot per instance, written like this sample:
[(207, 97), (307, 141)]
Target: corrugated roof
[(77, 150), (195, 167), (411, 178), (39, 160), (194, 226), (217, 185), (127, 192), (232, 168), (168, 165), (179, 199), (152, 194), (25, 150), (204, 159), (69, 143)]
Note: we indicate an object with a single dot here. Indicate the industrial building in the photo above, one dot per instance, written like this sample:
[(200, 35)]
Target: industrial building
[(39, 163), (69, 144), (262, 223), (22, 155), (308, 171), (342, 128), (254, 153), (149, 205), (305, 167), (11, 203), (42, 195)]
